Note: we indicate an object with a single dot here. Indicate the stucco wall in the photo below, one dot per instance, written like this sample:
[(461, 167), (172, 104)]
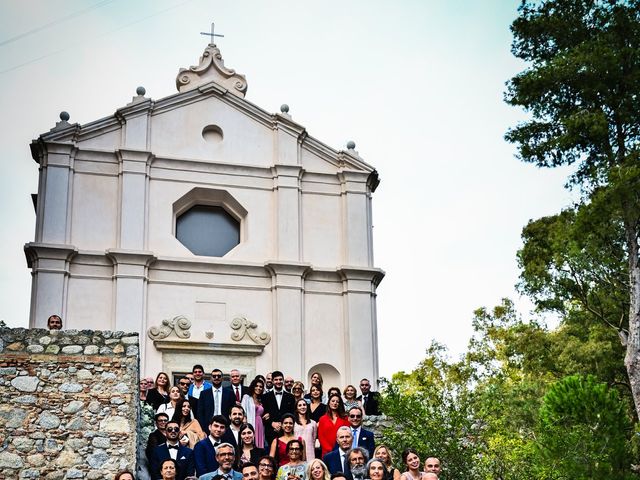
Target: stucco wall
[(68, 403)]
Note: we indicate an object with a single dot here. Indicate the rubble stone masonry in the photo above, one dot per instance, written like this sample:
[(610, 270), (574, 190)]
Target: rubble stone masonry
[(68, 403)]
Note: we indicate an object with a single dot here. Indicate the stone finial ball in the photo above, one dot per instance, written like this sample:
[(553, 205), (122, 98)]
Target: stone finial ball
[(351, 144), (64, 116), (284, 108), (140, 91)]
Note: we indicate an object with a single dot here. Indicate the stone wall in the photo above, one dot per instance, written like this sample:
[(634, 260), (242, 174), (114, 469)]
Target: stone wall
[(68, 403)]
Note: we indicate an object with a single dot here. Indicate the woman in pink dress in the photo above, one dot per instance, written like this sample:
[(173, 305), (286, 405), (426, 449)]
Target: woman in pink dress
[(305, 428), (252, 404)]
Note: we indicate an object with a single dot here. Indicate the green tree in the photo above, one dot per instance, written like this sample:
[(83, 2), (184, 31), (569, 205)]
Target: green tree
[(430, 409), (582, 90), (583, 431)]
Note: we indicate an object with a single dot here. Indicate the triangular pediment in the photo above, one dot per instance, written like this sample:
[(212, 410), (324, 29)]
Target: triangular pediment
[(208, 121)]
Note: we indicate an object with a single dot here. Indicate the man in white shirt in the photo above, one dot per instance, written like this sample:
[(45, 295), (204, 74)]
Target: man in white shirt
[(236, 419)]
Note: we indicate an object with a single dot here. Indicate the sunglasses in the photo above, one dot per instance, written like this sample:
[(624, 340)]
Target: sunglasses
[(184, 384), (355, 416), (216, 376), (173, 429)]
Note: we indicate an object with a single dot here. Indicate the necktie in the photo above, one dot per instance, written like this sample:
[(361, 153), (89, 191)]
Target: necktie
[(342, 459), (237, 394), (364, 402), (217, 406), (354, 442)]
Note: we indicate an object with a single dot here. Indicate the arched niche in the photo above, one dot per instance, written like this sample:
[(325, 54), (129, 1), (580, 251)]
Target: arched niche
[(330, 376)]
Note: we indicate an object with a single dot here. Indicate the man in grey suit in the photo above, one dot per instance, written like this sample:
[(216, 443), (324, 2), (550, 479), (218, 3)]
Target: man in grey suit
[(226, 456)]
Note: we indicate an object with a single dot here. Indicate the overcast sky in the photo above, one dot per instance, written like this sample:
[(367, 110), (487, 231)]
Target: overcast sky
[(417, 85)]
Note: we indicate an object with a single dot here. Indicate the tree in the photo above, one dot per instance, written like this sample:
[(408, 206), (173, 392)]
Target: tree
[(583, 431), (582, 90), (430, 409)]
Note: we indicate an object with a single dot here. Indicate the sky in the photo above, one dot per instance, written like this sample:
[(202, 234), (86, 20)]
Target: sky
[(417, 85)]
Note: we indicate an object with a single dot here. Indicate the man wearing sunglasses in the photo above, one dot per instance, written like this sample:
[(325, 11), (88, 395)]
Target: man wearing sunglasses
[(171, 449), (361, 437), (214, 401), (157, 437)]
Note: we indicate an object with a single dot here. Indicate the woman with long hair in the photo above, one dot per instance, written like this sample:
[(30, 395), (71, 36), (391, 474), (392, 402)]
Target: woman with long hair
[(252, 404), (350, 393), (247, 450), (305, 428), (267, 468), (412, 461), (330, 422), (279, 445), (159, 394), (170, 407), (316, 379), (384, 454), (317, 470), (316, 407), (189, 427), (296, 467)]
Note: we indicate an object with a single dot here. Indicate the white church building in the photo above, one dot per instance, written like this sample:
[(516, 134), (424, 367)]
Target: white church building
[(222, 233)]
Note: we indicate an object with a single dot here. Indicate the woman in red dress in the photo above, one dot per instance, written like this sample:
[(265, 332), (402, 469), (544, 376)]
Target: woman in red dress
[(330, 422)]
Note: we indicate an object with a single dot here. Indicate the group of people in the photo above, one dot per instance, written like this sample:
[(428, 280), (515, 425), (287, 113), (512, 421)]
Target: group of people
[(270, 430)]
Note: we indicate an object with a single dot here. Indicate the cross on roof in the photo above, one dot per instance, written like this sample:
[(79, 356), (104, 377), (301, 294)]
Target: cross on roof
[(212, 34)]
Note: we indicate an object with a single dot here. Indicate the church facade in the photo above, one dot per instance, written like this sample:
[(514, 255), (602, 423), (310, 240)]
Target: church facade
[(224, 234)]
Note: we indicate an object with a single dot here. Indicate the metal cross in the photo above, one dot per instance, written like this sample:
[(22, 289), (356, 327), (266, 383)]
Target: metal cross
[(212, 35)]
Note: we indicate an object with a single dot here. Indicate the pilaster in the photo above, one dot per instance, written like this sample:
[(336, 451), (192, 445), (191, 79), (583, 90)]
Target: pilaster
[(130, 273), (286, 181), (49, 265), (361, 339), (288, 315), (134, 166), (356, 222)]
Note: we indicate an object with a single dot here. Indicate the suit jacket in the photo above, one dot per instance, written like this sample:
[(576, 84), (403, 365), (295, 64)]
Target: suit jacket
[(371, 407), (270, 404), (367, 441), (184, 459), (206, 406), (243, 391), (235, 475), (334, 464), (204, 456), (155, 438)]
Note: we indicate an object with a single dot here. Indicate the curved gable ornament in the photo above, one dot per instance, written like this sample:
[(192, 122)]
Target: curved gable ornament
[(211, 69), (180, 325), (243, 327)]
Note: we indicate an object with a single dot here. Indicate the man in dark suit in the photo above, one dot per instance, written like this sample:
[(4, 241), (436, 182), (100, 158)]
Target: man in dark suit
[(276, 403), (204, 452), (214, 401), (336, 460), (236, 387), (369, 399), (157, 437), (171, 449), (361, 437)]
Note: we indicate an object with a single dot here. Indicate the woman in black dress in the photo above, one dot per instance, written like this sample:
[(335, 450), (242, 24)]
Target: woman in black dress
[(160, 393)]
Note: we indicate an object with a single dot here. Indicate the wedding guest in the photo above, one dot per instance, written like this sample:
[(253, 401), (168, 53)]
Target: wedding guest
[(159, 394), (305, 428)]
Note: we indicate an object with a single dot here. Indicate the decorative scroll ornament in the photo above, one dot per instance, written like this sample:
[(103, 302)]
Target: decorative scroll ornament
[(245, 327), (211, 69), (180, 325)]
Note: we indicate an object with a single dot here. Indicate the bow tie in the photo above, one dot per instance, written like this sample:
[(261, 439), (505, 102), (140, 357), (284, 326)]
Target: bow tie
[(172, 446), (278, 393)]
